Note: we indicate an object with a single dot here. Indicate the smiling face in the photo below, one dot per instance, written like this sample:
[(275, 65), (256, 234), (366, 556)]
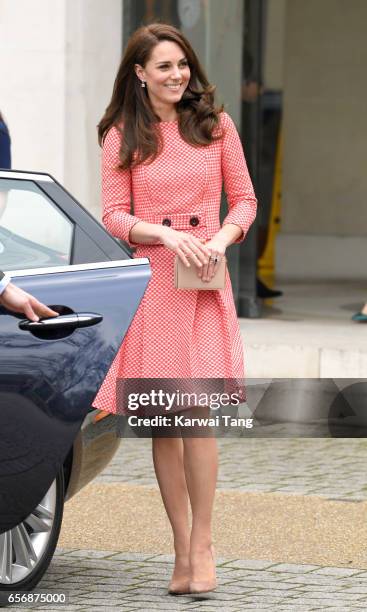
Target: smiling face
[(166, 75)]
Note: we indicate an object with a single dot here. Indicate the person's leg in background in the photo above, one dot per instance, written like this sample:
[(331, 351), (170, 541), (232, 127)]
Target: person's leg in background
[(361, 316)]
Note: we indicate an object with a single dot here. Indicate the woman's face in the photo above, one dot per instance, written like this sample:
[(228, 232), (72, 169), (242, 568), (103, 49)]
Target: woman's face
[(166, 74)]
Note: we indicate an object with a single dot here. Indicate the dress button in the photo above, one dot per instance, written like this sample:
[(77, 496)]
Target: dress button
[(166, 222), (194, 221)]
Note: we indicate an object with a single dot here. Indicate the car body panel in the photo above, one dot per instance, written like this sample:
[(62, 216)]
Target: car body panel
[(94, 446), (47, 384)]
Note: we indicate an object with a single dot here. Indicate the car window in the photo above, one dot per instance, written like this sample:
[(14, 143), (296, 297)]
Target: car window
[(34, 232)]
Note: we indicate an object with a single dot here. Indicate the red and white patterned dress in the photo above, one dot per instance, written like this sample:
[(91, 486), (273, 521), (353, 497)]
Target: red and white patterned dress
[(177, 333)]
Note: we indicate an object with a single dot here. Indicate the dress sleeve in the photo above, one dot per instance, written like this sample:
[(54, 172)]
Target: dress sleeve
[(242, 202), (116, 190)]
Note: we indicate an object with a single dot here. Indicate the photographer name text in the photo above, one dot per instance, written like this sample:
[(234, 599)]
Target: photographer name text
[(184, 421)]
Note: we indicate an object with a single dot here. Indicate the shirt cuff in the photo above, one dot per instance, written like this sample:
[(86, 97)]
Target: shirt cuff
[(4, 283)]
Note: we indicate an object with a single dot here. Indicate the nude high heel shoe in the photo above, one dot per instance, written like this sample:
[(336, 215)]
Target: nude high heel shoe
[(204, 586), (179, 587)]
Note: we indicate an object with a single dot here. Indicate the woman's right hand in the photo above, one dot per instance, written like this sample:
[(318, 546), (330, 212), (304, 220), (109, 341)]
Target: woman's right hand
[(185, 245)]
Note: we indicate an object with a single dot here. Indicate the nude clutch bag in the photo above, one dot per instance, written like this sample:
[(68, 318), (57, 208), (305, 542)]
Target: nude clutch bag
[(187, 278)]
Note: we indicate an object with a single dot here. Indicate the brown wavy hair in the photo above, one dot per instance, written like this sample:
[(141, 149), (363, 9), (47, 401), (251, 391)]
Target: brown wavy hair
[(130, 105)]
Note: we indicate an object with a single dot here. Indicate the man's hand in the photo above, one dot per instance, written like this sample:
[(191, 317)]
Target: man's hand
[(17, 300)]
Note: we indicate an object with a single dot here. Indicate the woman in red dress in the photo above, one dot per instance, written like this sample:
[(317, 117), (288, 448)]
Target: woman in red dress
[(167, 149)]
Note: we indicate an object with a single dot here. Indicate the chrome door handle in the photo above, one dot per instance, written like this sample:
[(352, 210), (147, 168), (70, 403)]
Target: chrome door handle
[(80, 319)]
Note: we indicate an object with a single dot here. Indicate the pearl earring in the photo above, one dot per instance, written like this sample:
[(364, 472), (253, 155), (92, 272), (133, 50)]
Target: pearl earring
[(143, 83)]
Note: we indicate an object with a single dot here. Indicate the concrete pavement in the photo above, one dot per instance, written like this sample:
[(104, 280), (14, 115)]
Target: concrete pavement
[(103, 580), (330, 467), (289, 529)]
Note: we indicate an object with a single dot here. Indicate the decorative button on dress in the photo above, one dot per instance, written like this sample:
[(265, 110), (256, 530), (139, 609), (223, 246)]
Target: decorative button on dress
[(177, 333)]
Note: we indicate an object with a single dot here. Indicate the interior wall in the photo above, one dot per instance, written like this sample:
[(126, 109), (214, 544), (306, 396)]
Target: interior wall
[(325, 121), (324, 182)]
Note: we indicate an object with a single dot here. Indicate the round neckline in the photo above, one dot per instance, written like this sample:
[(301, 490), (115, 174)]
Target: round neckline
[(172, 121)]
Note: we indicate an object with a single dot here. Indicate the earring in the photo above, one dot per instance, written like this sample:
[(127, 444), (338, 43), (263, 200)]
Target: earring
[(143, 83)]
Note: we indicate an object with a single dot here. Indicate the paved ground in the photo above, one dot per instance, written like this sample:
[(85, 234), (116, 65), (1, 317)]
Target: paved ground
[(331, 467), (104, 581), (312, 480)]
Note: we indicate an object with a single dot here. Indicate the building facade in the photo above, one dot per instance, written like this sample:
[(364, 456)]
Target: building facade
[(58, 61)]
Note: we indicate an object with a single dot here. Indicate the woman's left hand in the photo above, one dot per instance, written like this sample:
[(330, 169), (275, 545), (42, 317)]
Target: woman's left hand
[(217, 248)]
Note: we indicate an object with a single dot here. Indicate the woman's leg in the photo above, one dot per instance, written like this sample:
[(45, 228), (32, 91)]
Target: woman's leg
[(169, 469), (201, 468)]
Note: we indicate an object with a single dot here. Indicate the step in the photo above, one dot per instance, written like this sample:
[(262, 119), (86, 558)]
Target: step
[(308, 332)]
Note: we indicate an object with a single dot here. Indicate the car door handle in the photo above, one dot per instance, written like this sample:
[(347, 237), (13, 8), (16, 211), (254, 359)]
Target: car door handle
[(80, 319)]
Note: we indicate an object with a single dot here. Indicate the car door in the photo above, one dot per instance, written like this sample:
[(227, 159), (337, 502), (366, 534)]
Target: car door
[(51, 371)]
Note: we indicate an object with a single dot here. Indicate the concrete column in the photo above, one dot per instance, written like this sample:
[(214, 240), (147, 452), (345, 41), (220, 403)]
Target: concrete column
[(93, 47), (32, 68), (58, 61)]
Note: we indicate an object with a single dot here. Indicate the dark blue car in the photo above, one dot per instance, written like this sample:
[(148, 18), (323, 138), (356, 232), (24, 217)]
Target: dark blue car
[(52, 442)]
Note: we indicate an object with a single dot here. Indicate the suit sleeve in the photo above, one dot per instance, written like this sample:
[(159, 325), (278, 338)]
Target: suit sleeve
[(5, 147), (116, 190), (242, 202), (4, 281)]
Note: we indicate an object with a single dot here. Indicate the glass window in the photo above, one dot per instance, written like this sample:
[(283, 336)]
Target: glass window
[(34, 232)]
